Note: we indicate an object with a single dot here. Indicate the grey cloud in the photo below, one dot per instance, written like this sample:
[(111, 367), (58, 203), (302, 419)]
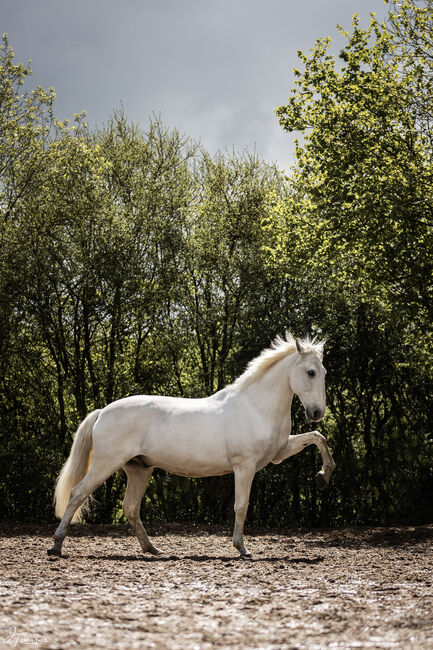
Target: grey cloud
[(215, 69)]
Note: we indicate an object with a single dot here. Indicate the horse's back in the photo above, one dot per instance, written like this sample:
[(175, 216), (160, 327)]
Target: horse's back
[(150, 407)]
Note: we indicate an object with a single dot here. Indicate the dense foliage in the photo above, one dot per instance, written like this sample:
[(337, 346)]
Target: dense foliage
[(135, 262)]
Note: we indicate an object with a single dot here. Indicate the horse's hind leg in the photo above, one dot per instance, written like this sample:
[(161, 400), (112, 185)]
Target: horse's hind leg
[(138, 478), (95, 477)]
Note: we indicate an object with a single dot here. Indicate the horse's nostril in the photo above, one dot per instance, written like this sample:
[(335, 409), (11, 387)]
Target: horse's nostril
[(315, 414)]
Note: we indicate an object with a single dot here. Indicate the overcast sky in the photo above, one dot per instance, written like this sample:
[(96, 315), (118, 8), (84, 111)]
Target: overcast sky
[(214, 69)]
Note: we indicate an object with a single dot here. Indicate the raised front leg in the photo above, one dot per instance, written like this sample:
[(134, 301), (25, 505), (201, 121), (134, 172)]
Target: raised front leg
[(243, 479), (295, 444)]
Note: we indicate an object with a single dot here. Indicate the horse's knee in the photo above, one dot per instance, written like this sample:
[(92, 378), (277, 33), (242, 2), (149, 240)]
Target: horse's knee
[(241, 511), (319, 437)]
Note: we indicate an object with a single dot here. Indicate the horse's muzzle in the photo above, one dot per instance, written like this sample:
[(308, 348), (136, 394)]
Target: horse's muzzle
[(314, 413)]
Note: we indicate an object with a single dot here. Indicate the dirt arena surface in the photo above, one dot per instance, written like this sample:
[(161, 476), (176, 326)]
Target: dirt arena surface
[(339, 589)]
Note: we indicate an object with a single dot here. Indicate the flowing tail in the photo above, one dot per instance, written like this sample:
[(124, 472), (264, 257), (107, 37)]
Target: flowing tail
[(76, 467)]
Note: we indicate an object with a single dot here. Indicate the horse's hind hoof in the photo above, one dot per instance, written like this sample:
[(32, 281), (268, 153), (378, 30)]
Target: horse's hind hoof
[(321, 481), (54, 551), (155, 551), (150, 548)]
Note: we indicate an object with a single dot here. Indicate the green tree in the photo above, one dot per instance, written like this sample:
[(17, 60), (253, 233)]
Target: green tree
[(224, 269), (366, 159), (360, 213)]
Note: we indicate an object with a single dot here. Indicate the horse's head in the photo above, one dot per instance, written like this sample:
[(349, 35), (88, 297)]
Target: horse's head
[(307, 379)]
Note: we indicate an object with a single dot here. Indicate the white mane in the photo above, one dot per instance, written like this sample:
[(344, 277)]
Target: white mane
[(280, 348)]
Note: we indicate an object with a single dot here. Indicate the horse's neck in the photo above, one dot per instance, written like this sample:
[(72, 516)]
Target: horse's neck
[(271, 394)]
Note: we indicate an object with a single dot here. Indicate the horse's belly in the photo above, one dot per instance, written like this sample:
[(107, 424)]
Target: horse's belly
[(179, 454), (199, 472)]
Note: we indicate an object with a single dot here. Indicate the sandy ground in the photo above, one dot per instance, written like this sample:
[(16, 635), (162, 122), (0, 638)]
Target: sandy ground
[(340, 589)]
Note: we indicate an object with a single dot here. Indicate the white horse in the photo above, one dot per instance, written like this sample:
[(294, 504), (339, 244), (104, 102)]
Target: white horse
[(239, 429)]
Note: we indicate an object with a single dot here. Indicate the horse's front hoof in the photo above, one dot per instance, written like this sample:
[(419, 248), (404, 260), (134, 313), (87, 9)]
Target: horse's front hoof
[(321, 481), (54, 551)]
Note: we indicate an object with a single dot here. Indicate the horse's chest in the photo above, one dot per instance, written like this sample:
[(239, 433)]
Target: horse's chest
[(277, 442), (284, 431), (265, 450)]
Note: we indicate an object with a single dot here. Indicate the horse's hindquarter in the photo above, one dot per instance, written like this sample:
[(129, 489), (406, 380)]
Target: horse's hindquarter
[(182, 436)]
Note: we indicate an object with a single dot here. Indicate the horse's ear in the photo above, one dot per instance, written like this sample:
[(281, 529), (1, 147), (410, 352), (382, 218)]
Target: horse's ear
[(299, 347)]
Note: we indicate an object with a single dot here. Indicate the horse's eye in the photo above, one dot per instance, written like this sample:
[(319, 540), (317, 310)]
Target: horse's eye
[(311, 373)]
